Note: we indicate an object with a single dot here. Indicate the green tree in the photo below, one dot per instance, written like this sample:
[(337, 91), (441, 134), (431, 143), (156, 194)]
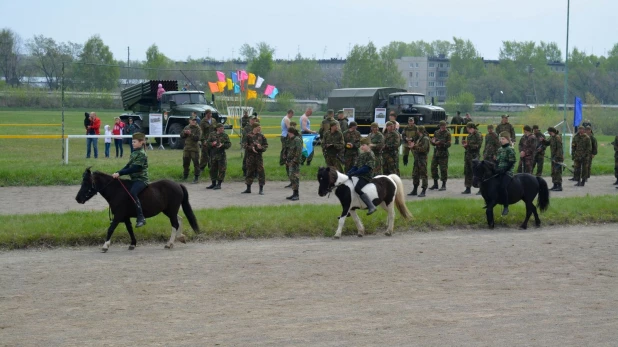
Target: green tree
[(157, 63), (263, 63), (49, 56), (366, 68), (247, 52), (11, 56), (97, 70)]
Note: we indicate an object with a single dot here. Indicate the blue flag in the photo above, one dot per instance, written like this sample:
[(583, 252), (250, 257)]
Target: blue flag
[(308, 144), (577, 112), (236, 89), (234, 77)]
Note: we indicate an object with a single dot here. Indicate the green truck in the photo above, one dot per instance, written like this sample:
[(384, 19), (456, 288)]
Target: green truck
[(364, 101), (141, 100)]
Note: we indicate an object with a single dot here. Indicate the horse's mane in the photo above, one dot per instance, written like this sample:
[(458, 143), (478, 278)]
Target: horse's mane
[(332, 175)]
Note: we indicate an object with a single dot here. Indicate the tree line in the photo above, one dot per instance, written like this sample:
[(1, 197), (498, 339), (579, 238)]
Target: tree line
[(521, 74)]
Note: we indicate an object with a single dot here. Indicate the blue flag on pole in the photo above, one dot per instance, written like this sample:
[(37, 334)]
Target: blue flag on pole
[(577, 112), (308, 144)]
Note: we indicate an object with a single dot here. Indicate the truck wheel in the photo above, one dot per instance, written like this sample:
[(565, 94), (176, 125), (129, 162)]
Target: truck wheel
[(174, 142)]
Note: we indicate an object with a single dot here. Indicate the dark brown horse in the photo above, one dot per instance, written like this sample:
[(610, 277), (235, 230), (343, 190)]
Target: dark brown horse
[(161, 196)]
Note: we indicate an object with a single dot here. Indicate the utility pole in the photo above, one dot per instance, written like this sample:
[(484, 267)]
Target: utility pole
[(128, 63)]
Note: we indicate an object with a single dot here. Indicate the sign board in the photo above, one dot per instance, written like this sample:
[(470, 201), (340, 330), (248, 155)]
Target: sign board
[(380, 117), (349, 114), (155, 124)]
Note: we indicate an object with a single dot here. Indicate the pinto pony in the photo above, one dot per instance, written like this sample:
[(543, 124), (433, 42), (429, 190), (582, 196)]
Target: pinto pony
[(161, 196), (385, 191)]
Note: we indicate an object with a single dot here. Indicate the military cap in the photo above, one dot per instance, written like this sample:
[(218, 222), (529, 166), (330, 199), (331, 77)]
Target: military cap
[(505, 116), (353, 124), (420, 128), (193, 118), (442, 123), (389, 123), (527, 128), (374, 125), (588, 127), (490, 126), (253, 117), (410, 118), (254, 114), (505, 134), (293, 130), (340, 112), (552, 130), (255, 125), (471, 125), (219, 125), (139, 136), (333, 123), (534, 127), (330, 111), (365, 141)]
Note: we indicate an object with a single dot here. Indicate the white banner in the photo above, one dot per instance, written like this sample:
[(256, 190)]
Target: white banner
[(155, 124), (349, 114), (380, 117)]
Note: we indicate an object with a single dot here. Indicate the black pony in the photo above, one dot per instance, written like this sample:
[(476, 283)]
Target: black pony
[(161, 196), (522, 187)]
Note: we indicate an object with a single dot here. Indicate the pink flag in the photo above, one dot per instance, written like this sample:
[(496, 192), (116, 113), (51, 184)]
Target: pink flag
[(220, 76), (269, 89), (243, 75)]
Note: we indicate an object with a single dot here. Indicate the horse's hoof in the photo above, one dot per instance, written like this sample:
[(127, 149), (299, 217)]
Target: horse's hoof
[(169, 246), (336, 237), (104, 250), (131, 247), (181, 238), (523, 227), (359, 235), (388, 234)]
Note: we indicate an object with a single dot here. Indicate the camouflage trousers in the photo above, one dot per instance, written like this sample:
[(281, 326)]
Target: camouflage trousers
[(525, 165), (589, 167), (308, 159), (468, 172), (378, 169), (282, 154), (255, 163), (581, 167), (294, 175), (441, 162), (205, 160), (350, 159), (333, 160), (187, 158), (539, 160), (419, 171), (390, 163), (556, 172), (218, 167)]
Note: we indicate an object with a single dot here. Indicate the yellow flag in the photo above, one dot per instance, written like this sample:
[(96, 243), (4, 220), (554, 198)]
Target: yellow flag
[(251, 79), (221, 86), (251, 94), (230, 84)]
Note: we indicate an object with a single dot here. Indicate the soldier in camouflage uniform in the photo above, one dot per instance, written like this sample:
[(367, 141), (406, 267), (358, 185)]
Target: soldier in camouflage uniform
[(217, 143), (207, 125), (363, 169), (293, 155), (419, 172), (472, 146), (557, 156), (191, 152), (351, 138), (333, 145), (505, 162), (409, 134), (615, 144), (325, 128), (343, 121), (595, 149), (247, 129), (137, 169), (390, 155), (457, 121), (527, 151), (539, 157), (441, 141), (255, 144), (581, 149), (492, 143), (377, 146), (506, 126)]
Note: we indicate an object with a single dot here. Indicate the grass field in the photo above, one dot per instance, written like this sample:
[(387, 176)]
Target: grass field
[(29, 162)]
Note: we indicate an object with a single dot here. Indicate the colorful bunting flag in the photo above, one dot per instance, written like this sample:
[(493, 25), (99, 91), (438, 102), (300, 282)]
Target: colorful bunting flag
[(221, 85), (230, 84), (259, 82), (234, 77), (236, 89), (251, 79), (269, 89), (220, 76), (251, 94), (242, 75), (214, 88), (274, 93)]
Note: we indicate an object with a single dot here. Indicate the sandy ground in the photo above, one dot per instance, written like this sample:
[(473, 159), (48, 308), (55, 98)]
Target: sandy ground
[(542, 287), (55, 199)]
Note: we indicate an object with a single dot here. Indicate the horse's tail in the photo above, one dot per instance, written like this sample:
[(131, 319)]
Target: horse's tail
[(186, 208), (400, 198), (543, 200)]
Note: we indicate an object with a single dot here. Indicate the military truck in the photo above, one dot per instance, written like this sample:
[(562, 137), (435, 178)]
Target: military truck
[(366, 100), (141, 100)]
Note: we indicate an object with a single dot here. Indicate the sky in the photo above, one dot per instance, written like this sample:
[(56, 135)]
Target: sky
[(320, 29)]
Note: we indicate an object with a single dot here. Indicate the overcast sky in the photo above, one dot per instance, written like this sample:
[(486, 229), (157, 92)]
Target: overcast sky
[(318, 28)]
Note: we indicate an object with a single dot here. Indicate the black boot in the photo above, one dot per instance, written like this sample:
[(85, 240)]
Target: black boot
[(261, 190), (435, 185), (291, 196), (308, 162), (213, 185), (616, 183), (583, 182), (370, 208), (443, 186), (141, 221), (248, 190), (295, 197), (572, 179), (578, 184), (559, 187), (467, 191), (288, 186), (185, 176), (218, 186), (422, 194), (195, 179), (505, 210), (553, 187), (414, 191)]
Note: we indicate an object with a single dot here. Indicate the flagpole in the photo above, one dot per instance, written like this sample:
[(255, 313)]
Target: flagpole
[(566, 78)]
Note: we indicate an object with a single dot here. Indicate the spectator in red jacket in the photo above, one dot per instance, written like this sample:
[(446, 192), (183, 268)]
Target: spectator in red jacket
[(93, 129), (117, 132)]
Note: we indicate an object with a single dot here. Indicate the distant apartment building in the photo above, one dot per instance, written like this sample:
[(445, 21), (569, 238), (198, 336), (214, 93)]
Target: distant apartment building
[(426, 75)]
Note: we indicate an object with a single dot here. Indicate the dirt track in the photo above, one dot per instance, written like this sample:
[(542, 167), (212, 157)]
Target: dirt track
[(543, 287), (55, 199)]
